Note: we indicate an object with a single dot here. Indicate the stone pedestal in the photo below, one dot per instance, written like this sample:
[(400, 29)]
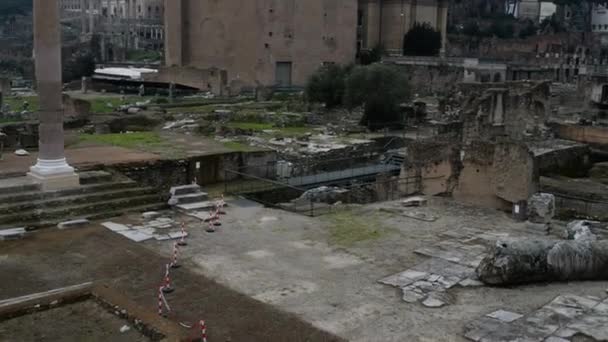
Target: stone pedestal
[(51, 170)]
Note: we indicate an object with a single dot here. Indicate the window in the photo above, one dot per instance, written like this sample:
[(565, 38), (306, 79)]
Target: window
[(283, 74)]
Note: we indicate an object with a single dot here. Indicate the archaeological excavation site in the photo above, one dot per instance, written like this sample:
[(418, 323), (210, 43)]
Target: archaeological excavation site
[(303, 171)]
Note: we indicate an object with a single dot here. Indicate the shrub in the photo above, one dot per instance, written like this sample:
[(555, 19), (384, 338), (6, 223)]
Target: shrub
[(422, 40), (380, 89), (374, 55), (326, 85)]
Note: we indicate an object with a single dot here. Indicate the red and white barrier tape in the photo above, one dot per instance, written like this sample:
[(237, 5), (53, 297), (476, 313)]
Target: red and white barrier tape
[(203, 331)]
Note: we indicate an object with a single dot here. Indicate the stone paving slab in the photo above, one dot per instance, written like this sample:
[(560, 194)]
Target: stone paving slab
[(560, 320)]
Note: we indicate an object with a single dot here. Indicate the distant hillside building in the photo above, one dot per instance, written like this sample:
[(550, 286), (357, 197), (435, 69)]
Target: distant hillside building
[(599, 17), (235, 44)]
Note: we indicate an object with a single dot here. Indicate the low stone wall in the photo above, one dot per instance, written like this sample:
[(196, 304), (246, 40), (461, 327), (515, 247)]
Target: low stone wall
[(205, 170), (584, 134)]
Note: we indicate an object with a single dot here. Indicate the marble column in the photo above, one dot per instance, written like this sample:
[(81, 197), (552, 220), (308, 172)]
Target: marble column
[(51, 170)]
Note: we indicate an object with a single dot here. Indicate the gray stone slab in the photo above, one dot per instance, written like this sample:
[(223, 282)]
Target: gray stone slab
[(184, 189), (505, 316), (594, 326), (73, 224), (115, 227), (404, 278), (205, 205), (177, 235), (12, 233), (162, 237), (150, 215)]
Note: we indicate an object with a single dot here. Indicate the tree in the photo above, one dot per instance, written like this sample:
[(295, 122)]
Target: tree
[(380, 89), (529, 30), (422, 40), (326, 85), (12, 7), (502, 29), (77, 66), (372, 56)]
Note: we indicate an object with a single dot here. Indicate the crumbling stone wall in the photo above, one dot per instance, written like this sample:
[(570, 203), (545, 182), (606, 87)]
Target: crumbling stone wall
[(431, 79), (517, 110), (482, 173)]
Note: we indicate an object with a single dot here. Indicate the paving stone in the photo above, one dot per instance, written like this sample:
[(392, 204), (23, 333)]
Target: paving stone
[(162, 237), (594, 326), (177, 235), (150, 215), (411, 296), (556, 339), (470, 283), (437, 300), (115, 227), (505, 316), (73, 224), (404, 278)]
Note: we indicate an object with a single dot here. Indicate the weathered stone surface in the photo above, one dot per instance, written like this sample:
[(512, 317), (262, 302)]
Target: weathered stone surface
[(560, 320), (528, 261), (541, 208), (505, 316), (581, 229)]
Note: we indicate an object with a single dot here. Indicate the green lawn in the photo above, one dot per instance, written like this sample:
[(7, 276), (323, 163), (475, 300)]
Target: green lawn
[(105, 104), (239, 147), (127, 140), (16, 102), (253, 126)]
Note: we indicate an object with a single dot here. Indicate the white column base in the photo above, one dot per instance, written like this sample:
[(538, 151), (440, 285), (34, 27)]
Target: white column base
[(54, 174)]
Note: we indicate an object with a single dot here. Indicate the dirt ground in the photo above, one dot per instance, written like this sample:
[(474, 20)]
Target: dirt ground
[(78, 157), (326, 269), (271, 275), (82, 321), (51, 259)]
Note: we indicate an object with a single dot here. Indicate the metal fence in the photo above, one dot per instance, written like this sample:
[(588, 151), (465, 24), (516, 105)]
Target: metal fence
[(280, 194)]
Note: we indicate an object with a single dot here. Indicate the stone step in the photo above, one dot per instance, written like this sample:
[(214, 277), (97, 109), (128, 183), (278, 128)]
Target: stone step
[(185, 189), (16, 185), (82, 210), (39, 195), (98, 196), (37, 224), (191, 198), (205, 205), (93, 177)]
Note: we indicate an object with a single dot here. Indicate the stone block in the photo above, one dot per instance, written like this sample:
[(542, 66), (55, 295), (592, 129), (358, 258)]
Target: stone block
[(505, 316), (185, 189), (12, 234), (73, 224), (541, 208)]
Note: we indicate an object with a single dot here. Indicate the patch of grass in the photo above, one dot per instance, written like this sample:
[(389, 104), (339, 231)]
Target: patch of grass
[(239, 147), (9, 120), (16, 102), (253, 126), (109, 104), (143, 55), (127, 140), (347, 228)]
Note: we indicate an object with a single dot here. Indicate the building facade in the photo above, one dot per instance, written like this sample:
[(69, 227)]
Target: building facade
[(281, 43), (385, 22), (120, 25)]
